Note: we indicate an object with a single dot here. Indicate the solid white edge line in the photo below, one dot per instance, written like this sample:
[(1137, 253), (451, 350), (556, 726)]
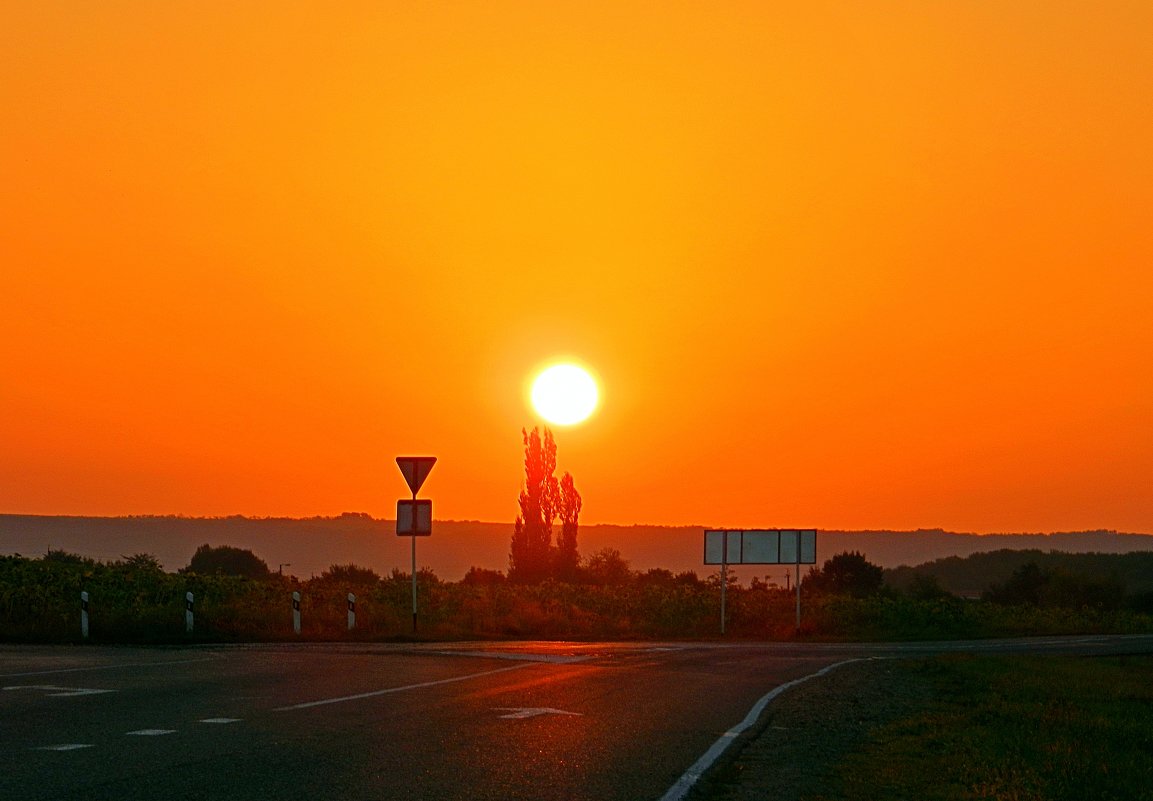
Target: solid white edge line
[(422, 685), (686, 781), (64, 747)]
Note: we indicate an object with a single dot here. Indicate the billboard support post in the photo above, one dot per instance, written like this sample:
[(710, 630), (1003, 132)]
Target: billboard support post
[(798, 583), (724, 579), (760, 547)]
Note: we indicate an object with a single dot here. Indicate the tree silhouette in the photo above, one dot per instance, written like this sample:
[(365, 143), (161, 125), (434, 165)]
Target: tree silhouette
[(350, 574), (567, 562), (228, 561), (607, 566), (529, 552), (847, 574), (532, 555)]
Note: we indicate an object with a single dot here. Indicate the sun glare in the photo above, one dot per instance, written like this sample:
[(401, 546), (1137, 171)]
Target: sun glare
[(564, 394)]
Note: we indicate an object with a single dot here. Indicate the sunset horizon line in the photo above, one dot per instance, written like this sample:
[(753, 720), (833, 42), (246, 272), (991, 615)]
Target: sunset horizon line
[(603, 524)]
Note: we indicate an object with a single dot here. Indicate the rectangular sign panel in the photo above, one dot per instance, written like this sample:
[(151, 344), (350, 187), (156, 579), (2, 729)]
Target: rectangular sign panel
[(789, 549), (808, 547), (413, 518), (714, 543), (760, 547)]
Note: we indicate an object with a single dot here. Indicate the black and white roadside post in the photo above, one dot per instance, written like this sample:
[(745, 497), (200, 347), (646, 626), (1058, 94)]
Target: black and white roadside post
[(351, 611), (188, 598), (296, 612), (84, 615), (413, 517)]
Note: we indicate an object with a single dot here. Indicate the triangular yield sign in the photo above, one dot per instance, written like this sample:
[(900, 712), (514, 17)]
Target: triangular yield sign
[(415, 470)]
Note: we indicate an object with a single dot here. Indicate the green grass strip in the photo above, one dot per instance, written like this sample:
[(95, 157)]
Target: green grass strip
[(1010, 728)]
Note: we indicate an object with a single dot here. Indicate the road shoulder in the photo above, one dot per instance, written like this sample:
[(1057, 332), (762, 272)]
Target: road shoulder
[(794, 749)]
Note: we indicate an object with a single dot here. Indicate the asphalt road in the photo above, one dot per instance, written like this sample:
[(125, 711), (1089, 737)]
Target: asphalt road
[(461, 721)]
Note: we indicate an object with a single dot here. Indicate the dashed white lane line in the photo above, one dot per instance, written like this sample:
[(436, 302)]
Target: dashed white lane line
[(523, 656), (521, 712), (405, 688), (138, 733), (59, 692)]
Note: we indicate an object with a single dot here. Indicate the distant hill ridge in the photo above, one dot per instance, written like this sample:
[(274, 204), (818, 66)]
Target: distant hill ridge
[(308, 546)]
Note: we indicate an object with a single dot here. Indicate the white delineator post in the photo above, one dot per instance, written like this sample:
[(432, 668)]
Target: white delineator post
[(84, 615), (296, 612), (351, 611), (188, 599)]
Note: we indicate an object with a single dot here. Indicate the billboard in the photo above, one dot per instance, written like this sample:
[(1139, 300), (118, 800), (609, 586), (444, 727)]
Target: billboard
[(775, 546)]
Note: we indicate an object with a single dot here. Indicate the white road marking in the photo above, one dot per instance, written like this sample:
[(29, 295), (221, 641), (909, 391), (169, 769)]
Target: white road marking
[(522, 656), (64, 747), (519, 712), (220, 720), (59, 692), (679, 790), (150, 732), (405, 688), (107, 667)]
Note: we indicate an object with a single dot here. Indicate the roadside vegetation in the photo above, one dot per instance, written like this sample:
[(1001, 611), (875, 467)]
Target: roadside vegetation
[(237, 598)]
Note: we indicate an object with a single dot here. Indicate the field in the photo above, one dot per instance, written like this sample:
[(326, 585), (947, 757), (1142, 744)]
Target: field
[(1006, 728)]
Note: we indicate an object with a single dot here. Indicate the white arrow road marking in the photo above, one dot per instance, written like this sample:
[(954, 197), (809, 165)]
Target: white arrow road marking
[(220, 720), (150, 732), (518, 712), (59, 692), (64, 747)]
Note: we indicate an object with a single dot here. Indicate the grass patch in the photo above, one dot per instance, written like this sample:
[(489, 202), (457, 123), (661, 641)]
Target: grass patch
[(1018, 728)]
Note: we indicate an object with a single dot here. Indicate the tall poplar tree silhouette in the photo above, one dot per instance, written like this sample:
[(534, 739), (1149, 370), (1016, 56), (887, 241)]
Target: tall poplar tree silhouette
[(567, 561), (532, 555)]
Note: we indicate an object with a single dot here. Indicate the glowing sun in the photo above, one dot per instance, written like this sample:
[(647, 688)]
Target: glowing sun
[(564, 394)]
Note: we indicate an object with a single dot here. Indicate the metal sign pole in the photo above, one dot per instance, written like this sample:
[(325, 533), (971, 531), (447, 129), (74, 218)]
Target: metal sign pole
[(724, 575), (414, 526), (798, 582), (415, 470)]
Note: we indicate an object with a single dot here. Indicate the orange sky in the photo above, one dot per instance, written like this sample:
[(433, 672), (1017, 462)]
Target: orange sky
[(844, 265)]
